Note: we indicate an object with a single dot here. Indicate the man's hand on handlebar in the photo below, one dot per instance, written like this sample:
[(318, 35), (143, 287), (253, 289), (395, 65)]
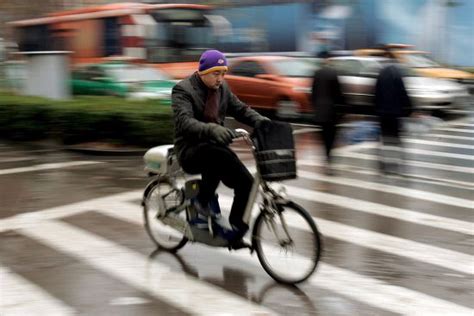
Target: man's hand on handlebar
[(220, 134)]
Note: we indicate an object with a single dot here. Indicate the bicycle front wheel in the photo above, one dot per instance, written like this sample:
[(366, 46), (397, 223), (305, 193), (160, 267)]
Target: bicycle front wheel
[(287, 243), (160, 195)]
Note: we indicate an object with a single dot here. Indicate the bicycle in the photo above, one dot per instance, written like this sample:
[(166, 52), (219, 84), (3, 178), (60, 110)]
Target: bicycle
[(277, 227)]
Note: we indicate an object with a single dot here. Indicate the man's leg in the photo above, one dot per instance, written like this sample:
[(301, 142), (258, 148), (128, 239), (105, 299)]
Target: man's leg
[(391, 149), (217, 163)]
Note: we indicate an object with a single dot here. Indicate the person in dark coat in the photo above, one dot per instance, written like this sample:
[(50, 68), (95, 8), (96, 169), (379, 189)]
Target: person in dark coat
[(391, 103), (200, 104), (327, 99)]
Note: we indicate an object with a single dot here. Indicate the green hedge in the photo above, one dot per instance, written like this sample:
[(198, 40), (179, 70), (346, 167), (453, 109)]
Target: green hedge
[(85, 119)]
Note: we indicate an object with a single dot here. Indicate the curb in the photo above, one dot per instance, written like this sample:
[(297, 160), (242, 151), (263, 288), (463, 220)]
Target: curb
[(107, 152)]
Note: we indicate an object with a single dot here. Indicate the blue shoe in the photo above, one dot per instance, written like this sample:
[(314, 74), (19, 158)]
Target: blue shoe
[(226, 233), (212, 209), (200, 222)]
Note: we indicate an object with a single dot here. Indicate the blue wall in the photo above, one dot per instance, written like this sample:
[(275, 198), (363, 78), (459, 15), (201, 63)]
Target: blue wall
[(279, 25), (445, 32)]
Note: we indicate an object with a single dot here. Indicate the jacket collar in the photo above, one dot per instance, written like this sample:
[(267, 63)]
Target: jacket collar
[(199, 83)]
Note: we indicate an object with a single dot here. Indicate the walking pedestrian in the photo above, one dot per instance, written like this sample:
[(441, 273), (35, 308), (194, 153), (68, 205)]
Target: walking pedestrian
[(327, 100), (391, 104)]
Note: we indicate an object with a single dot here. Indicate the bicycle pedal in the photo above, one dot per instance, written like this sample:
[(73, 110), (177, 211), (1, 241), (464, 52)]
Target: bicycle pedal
[(240, 244), (209, 223)]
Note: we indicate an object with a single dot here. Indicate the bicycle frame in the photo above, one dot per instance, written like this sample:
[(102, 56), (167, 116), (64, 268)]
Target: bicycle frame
[(270, 197)]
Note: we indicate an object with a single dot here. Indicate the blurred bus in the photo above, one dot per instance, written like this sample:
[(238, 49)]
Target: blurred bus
[(169, 35)]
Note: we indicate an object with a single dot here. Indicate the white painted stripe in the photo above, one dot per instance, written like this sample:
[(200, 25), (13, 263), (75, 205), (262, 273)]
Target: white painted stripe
[(383, 210), (5, 160), (437, 153), (306, 130), (410, 193), (380, 294), (180, 290), (446, 223), (304, 125), (468, 112), (413, 178), (434, 143), (457, 130), (372, 145), (48, 166), (445, 258), (371, 291), (448, 259), (463, 124), (20, 297), (35, 217), (413, 163), (376, 293), (449, 136)]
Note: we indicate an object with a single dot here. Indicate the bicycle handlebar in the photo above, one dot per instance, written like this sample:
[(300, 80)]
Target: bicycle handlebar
[(240, 132)]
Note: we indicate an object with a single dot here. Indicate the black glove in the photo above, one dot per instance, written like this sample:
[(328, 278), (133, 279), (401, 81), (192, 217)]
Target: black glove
[(220, 134)]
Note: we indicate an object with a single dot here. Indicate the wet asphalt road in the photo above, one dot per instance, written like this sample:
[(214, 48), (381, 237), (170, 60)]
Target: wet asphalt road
[(72, 239)]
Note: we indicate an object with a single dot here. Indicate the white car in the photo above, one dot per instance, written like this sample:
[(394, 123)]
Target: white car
[(358, 76)]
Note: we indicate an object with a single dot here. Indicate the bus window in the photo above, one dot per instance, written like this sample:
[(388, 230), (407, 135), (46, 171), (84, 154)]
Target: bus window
[(182, 35)]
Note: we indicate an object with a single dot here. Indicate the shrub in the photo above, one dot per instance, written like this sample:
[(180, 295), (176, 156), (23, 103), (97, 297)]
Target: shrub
[(86, 119)]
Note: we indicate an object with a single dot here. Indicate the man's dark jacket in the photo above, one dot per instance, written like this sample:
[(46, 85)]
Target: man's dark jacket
[(391, 98), (327, 98), (188, 100)]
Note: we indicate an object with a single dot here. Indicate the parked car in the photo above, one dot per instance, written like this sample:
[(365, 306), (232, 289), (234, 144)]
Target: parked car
[(358, 76), (128, 80), (279, 84)]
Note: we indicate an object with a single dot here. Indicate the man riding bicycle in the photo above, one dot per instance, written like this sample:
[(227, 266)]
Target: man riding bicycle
[(200, 104)]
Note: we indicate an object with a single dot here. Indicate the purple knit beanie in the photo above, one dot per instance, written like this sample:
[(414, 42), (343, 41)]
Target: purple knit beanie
[(212, 60)]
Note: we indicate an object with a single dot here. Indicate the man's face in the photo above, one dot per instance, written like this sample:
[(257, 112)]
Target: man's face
[(214, 79)]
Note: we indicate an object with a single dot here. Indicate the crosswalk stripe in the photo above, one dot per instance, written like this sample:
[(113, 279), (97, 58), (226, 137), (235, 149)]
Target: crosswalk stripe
[(382, 210), (435, 143), (449, 136), (18, 159), (306, 130), (34, 217), (342, 201), (418, 178), (48, 166), (187, 293), (377, 293), (389, 297), (457, 130), (437, 153), (371, 145), (463, 124), (411, 193), (448, 259), (21, 297), (413, 163)]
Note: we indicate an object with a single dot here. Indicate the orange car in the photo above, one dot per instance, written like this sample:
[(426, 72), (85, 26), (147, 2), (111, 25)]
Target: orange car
[(279, 84)]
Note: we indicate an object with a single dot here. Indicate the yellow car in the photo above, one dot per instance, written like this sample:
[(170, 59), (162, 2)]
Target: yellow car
[(420, 61)]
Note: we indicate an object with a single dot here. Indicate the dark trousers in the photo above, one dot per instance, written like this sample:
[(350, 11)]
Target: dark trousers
[(328, 131), (215, 164), (390, 129), (391, 154)]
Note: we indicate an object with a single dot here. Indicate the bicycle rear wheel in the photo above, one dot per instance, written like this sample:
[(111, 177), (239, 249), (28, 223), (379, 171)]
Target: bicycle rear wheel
[(288, 244), (160, 195)]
